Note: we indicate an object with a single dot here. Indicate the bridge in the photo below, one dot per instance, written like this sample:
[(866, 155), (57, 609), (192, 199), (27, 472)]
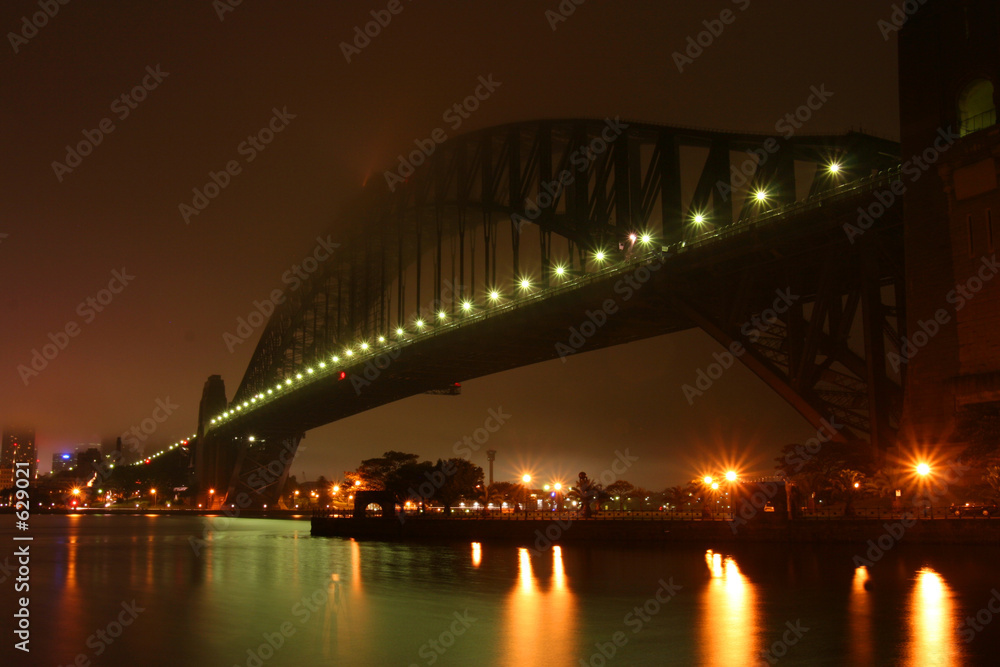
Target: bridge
[(534, 241)]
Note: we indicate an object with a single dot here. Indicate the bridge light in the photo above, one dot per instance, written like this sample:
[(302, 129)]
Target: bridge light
[(560, 270), (632, 237), (833, 167), (253, 400), (442, 315), (494, 295), (349, 352), (599, 255), (213, 420), (645, 238), (239, 407), (342, 375), (381, 339), (525, 284), (310, 371), (400, 331), (246, 404), (288, 381), (364, 346), (420, 324), (467, 306), (336, 358), (322, 364), (699, 218), (270, 391), (251, 438), (760, 195), (298, 376)]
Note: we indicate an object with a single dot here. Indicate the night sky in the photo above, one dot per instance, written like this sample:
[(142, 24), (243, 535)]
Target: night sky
[(62, 236)]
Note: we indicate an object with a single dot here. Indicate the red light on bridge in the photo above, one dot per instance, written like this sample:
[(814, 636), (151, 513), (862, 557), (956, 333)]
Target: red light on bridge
[(341, 375)]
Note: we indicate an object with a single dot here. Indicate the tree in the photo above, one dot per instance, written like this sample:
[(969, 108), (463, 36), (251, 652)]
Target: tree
[(411, 481), (677, 496), (500, 492), (461, 477), (588, 492), (619, 489), (847, 484), (374, 472)]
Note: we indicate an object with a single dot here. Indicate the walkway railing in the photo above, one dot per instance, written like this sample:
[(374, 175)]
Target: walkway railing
[(878, 513)]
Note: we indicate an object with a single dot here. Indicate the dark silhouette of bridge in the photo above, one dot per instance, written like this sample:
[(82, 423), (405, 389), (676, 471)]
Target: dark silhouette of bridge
[(531, 241)]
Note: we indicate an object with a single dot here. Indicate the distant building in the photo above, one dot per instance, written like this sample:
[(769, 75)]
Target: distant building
[(62, 462), (17, 446), (88, 462)]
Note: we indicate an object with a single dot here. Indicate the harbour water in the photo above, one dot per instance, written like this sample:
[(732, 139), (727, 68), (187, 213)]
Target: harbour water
[(171, 590)]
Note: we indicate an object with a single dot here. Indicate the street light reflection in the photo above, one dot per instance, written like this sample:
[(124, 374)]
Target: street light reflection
[(729, 624), (933, 622)]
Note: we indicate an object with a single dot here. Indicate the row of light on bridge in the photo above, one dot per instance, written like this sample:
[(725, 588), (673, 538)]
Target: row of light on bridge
[(149, 459), (493, 296)]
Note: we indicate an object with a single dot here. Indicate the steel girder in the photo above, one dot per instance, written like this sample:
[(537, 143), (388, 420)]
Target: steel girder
[(583, 184)]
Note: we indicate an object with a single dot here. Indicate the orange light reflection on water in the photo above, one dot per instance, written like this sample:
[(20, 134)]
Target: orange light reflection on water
[(729, 626), (933, 622), (860, 620), (540, 622), (477, 554)]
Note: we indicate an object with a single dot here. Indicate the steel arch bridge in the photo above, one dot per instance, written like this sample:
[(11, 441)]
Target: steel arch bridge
[(488, 253)]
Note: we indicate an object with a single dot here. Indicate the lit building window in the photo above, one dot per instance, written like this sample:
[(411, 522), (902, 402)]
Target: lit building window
[(976, 109)]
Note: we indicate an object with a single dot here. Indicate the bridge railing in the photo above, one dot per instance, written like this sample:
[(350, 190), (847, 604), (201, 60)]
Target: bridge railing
[(881, 180)]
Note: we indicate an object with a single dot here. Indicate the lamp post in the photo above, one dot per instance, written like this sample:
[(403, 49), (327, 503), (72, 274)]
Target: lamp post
[(526, 479)]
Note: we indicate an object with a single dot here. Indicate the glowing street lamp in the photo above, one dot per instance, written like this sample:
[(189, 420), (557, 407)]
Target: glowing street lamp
[(923, 469), (731, 476), (76, 492), (526, 478), (707, 479)]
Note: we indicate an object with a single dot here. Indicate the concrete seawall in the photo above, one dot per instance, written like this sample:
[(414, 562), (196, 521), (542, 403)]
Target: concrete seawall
[(540, 532)]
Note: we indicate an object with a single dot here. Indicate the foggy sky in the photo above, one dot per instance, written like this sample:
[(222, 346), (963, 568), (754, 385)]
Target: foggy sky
[(219, 80)]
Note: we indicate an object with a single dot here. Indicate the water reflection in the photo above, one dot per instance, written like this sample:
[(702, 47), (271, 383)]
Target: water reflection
[(729, 624), (933, 622), (540, 622), (860, 619), (477, 554)]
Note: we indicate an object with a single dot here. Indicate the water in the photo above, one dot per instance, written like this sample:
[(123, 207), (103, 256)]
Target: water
[(329, 601)]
